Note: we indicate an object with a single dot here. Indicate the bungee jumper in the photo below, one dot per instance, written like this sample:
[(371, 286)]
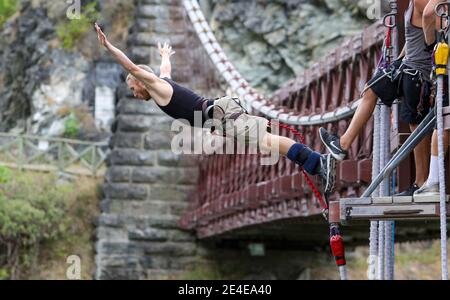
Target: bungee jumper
[(408, 77), (184, 104)]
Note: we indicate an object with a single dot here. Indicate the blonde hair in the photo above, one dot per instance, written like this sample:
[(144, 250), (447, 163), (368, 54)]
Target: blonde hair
[(143, 67)]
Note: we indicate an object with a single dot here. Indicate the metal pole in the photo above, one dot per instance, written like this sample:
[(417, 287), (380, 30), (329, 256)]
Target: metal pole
[(442, 187)]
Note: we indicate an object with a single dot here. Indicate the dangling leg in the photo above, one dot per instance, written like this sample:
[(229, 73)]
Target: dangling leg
[(312, 162)]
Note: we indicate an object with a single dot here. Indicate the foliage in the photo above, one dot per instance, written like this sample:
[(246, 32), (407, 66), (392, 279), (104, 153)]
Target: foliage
[(81, 209), (71, 126), (203, 271), (7, 9), (5, 175), (216, 270), (32, 211), (70, 32), (3, 274)]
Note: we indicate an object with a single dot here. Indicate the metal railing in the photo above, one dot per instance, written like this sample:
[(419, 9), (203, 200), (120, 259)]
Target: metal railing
[(37, 153)]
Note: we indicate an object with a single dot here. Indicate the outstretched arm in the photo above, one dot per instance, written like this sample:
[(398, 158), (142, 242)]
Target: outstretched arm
[(122, 59), (166, 67)]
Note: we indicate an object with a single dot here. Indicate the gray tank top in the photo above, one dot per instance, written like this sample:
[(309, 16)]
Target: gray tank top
[(416, 55)]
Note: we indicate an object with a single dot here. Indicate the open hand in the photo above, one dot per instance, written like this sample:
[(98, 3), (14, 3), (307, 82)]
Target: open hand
[(165, 50), (101, 36)]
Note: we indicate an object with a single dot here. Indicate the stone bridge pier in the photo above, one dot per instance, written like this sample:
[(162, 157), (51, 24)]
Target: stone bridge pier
[(147, 186)]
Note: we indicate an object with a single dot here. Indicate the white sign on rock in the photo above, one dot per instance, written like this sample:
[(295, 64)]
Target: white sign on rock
[(104, 107)]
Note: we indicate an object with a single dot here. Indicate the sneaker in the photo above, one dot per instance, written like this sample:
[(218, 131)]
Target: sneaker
[(408, 192), (332, 142), (428, 190), (327, 173)]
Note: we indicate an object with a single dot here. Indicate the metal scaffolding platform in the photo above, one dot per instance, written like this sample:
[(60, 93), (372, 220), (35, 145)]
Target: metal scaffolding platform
[(390, 208)]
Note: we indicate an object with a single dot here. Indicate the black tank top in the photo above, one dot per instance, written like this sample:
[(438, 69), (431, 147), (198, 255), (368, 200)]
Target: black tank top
[(183, 104)]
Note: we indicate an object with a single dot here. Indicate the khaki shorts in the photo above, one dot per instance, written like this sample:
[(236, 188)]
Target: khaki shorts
[(248, 128)]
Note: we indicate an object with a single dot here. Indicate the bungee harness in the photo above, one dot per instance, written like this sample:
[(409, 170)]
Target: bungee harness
[(385, 62)]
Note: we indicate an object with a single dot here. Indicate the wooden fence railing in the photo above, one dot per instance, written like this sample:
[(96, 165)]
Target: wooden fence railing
[(27, 152)]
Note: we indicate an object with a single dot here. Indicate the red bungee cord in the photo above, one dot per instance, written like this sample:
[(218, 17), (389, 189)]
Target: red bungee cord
[(301, 138)]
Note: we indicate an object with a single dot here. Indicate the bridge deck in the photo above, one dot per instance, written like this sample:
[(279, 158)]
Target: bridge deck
[(306, 233)]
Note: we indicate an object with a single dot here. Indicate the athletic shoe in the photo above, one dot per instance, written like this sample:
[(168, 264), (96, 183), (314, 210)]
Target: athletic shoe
[(327, 173), (332, 142), (428, 190), (409, 192)]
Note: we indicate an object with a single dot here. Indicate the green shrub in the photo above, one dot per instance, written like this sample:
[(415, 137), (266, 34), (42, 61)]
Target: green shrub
[(71, 126), (72, 31), (32, 211), (3, 274), (7, 9), (5, 174)]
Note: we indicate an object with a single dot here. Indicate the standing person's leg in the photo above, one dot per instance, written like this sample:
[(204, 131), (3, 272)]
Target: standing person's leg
[(422, 158), (413, 110), (362, 116), (380, 86), (338, 147), (434, 143), (431, 185)]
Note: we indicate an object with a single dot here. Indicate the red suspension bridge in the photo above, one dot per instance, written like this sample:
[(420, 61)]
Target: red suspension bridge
[(238, 196)]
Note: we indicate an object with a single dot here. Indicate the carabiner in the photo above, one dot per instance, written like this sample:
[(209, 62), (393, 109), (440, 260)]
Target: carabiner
[(390, 15)]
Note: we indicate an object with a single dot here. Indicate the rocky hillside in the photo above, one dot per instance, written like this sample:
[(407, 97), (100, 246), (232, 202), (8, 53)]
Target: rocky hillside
[(48, 65), (272, 41)]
